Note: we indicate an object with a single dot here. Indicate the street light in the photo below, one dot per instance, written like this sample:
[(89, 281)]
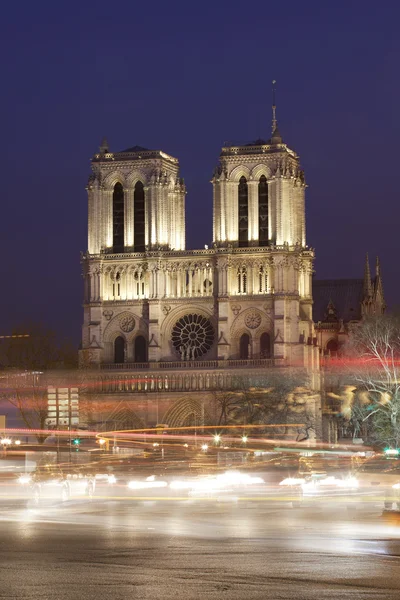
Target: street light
[(217, 438), (6, 442), (17, 442), (102, 441), (244, 439), (204, 447)]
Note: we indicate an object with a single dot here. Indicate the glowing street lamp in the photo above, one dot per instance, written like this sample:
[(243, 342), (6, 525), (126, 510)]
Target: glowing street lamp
[(17, 442), (217, 438), (6, 442), (244, 439), (102, 441), (204, 447)]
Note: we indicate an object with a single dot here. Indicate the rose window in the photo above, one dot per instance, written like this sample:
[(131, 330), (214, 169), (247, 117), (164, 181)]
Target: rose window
[(127, 323), (253, 320), (192, 336)]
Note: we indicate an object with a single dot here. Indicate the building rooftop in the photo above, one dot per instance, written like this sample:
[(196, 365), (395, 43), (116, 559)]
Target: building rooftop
[(136, 149), (346, 296)]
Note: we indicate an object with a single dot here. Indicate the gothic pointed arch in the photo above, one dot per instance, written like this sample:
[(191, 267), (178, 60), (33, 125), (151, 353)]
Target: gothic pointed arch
[(118, 209), (122, 417), (186, 412), (238, 172)]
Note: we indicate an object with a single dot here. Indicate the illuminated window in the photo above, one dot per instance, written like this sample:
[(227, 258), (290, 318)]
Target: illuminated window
[(243, 205), (263, 211), (139, 218), (118, 218)]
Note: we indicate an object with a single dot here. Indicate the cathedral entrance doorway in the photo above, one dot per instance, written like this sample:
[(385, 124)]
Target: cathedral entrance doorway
[(140, 349), (244, 347), (119, 350), (265, 346)]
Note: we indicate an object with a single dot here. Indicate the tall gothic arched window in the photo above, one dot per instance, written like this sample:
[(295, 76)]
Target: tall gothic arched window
[(118, 218), (138, 218), (119, 350), (263, 211), (243, 204)]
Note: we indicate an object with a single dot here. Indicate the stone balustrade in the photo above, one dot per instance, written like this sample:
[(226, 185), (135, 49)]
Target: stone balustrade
[(190, 364)]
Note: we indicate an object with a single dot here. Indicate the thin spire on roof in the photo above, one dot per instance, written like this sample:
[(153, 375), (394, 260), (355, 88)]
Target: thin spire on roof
[(379, 295), (377, 267), (274, 121), (104, 146), (367, 287)]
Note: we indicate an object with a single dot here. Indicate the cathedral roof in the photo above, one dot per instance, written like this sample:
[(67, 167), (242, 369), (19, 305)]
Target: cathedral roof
[(259, 142), (136, 149), (345, 294)]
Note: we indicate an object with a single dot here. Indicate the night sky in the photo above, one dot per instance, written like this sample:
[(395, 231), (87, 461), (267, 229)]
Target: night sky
[(185, 77)]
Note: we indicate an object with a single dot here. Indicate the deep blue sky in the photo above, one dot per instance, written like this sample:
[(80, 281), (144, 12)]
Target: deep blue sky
[(185, 77)]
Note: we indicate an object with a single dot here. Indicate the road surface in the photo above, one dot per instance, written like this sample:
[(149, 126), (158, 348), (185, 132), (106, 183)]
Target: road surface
[(120, 549)]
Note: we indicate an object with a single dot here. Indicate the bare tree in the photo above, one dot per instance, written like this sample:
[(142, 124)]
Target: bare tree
[(25, 361), (24, 391), (277, 397), (225, 405), (372, 359)]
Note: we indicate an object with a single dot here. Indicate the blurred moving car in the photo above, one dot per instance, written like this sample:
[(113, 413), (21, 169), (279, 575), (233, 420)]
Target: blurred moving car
[(380, 475), (55, 482), (323, 475)]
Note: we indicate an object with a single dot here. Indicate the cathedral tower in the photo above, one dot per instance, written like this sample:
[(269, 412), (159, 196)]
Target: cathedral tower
[(259, 195), (136, 201)]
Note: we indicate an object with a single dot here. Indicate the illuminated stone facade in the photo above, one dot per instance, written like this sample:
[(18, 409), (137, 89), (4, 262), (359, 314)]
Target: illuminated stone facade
[(187, 319)]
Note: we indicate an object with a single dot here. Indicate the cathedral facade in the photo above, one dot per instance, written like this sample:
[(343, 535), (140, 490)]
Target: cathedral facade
[(166, 320)]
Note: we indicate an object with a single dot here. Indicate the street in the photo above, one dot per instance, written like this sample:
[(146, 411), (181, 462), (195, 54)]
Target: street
[(121, 549)]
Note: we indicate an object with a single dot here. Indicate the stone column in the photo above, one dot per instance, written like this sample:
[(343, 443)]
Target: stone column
[(128, 217), (190, 282)]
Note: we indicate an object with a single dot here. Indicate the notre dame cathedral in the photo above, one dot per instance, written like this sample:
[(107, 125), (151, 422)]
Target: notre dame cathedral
[(165, 327)]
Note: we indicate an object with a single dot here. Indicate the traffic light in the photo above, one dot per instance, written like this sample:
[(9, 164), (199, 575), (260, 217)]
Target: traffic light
[(76, 442)]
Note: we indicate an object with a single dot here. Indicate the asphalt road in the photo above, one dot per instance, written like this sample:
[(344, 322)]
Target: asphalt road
[(110, 549)]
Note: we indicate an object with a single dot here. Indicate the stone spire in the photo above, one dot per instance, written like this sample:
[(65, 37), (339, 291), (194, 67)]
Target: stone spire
[(379, 297), (276, 136), (104, 146), (274, 121), (367, 287)]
